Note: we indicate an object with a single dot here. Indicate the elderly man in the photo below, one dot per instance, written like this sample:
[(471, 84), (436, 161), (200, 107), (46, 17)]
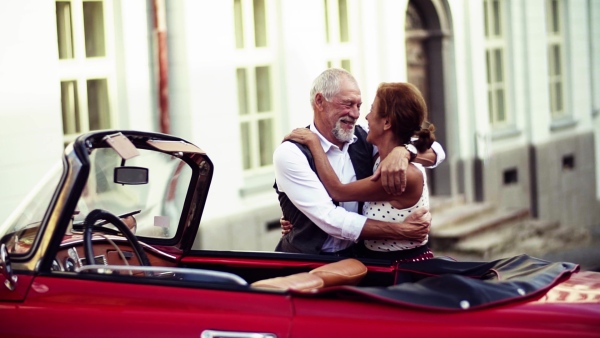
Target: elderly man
[(323, 226)]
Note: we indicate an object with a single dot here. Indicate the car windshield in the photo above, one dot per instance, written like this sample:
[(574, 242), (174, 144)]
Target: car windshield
[(24, 223), (156, 206)]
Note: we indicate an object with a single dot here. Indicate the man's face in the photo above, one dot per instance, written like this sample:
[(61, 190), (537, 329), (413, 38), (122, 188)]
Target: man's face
[(338, 117)]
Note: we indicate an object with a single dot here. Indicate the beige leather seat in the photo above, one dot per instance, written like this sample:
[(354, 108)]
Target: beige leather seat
[(345, 272)]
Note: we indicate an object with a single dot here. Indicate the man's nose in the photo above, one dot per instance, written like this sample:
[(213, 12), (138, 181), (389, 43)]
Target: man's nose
[(355, 111)]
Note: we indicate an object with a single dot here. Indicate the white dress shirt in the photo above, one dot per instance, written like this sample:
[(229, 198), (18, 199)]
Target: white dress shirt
[(300, 183)]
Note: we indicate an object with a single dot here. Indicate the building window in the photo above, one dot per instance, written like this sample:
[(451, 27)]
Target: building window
[(97, 94), (255, 83), (64, 30), (495, 57), (554, 31), (85, 67), (93, 23), (70, 111), (340, 48)]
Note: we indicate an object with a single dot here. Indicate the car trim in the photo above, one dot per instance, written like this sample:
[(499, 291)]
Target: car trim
[(159, 271)]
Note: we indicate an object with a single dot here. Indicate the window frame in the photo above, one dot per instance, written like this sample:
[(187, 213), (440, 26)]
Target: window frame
[(556, 40), (81, 69), (340, 54), (249, 57), (497, 43)]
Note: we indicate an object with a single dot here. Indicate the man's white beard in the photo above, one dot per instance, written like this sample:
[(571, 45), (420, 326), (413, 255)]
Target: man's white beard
[(342, 134)]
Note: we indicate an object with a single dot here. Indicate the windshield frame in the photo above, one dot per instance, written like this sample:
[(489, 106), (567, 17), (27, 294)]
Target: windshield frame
[(12, 226), (72, 168), (74, 177)]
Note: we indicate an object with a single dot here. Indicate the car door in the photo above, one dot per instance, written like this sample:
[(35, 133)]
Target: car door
[(59, 305)]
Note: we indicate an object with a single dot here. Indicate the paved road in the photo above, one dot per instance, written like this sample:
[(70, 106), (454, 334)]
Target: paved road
[(587, 256)]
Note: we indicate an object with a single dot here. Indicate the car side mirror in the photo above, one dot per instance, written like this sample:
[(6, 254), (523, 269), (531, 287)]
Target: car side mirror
[(131, 175)]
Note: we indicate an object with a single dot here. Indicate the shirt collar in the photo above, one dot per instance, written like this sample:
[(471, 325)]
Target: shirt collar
[(328, 145)]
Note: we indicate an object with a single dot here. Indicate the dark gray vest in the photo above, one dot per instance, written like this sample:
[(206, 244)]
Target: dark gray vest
[(305, 236)]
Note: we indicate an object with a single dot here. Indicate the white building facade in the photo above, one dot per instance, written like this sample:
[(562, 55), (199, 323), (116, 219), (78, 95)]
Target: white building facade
[(512, 86)]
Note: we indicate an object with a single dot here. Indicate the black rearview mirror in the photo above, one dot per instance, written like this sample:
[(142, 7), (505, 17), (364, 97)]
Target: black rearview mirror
[(131, 175)]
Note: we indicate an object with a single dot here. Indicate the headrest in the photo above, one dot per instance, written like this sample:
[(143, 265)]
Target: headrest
[(303, 281), (345, 272)]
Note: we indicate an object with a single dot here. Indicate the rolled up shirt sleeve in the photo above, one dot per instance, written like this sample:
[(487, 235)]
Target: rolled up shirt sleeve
[(440, 155), (300, 183), (439, 152)]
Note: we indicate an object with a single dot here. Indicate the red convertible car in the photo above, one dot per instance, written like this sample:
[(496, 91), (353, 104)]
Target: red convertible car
[(104, 248)]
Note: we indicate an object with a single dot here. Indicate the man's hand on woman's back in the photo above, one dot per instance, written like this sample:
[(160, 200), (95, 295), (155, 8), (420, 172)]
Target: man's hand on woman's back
[(415, 227), (286, 226)]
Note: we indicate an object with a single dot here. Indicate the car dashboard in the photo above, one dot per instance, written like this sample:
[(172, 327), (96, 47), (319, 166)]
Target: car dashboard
[(108, 250)]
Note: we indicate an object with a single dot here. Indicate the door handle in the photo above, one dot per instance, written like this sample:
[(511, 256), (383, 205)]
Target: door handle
[(232, 334)]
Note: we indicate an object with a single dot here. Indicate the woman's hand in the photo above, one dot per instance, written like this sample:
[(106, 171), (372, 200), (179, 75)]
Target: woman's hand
[(392, 171), (303, 136)]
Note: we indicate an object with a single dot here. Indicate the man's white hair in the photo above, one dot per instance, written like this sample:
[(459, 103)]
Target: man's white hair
[(328, 83)]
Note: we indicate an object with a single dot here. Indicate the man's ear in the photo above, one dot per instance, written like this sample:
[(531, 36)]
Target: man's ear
[(319, 99)]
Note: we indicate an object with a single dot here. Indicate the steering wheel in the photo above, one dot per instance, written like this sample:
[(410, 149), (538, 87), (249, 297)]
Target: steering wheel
[(89, 225)]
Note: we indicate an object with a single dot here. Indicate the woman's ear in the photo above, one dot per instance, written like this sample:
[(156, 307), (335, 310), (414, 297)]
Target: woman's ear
[(387, 124)]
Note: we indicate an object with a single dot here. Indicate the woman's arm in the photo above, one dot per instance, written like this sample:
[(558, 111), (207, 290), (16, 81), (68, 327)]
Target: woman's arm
[(361, 190)]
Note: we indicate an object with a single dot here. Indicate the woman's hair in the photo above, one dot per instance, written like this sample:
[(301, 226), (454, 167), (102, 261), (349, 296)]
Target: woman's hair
[(328, 83), (404, 105)]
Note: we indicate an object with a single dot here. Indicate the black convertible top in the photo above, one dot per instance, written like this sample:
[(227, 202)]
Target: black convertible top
[(443, 285)]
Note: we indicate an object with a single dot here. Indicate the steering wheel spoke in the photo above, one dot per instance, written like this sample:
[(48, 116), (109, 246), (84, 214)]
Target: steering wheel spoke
[(91, 224)]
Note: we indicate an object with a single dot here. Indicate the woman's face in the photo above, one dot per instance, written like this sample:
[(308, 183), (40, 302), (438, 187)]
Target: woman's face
[(375, 122)]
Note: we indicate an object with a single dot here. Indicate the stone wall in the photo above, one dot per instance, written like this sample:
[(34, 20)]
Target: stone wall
[(506, 178), (566, 181), (556, 180)]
